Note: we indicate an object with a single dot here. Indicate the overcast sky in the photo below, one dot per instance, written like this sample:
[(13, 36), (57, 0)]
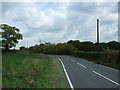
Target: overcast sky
[(59, 22)]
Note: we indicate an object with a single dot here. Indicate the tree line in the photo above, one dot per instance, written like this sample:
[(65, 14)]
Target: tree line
[(71, 46)]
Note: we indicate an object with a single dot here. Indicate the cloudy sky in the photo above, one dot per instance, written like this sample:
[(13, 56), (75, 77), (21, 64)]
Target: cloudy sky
[(61, 21)]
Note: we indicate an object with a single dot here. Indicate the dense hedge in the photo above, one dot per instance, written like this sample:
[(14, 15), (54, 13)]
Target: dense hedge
[(112, 56), (87, 55), (108, 56)]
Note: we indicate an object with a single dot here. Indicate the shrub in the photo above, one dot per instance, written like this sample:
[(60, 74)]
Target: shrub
[(65, 49), (108, 56), (87, 55), (112, 56)]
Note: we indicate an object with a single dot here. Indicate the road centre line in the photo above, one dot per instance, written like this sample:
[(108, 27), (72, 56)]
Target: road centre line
[(81, 65), (106, 78), (71, 86), (73, 60)]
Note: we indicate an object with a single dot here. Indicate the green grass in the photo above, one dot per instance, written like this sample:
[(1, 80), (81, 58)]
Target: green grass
[(31, 71)]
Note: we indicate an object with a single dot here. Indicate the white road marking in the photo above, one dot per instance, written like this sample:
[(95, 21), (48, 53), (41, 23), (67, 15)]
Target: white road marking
[(106, 78), (98, 64), (84, 60), (81, 65), (73, 60), (71, 86)]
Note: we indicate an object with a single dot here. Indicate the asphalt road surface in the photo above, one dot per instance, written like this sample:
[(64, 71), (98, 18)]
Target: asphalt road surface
[(85, 74)]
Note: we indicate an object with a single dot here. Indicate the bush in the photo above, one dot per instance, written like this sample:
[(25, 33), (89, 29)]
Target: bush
[(108, 56), (112, 56), (87, 55), (65, 49)]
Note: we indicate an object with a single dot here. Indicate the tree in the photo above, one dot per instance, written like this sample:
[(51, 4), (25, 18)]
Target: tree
[(83, 46), (10, 36), (23, 48), (88, 46), (76, 43), (65, 48), (113, 45)]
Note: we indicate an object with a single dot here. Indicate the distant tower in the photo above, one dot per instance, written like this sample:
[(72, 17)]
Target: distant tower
[(40, 41)]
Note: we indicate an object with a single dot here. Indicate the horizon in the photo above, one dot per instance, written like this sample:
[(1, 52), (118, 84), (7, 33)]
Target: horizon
[(62, 43)]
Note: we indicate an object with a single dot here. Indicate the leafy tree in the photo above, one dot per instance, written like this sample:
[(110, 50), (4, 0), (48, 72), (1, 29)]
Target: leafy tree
[(65, 48), (49, 48), (88, 46), (113, 45), (23, 48), (83, 46), (76, 43), (10, 36)]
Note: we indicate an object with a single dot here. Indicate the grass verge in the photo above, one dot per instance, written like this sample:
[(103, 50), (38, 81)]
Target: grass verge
[(31, 71)]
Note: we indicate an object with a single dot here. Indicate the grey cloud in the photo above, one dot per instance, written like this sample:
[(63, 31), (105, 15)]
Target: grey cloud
[(108, 21), (83, 7), (58, 22)]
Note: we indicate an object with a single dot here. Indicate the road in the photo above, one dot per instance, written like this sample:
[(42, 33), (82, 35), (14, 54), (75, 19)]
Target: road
[(86, 74)]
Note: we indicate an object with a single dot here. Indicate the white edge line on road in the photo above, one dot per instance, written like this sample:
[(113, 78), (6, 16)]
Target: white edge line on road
[(81, 65), (66, 74), (106, 78)]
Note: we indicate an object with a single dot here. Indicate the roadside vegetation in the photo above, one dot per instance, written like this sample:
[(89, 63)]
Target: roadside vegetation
[(25, 68), (109, 57), (31, 71), (108, 54)]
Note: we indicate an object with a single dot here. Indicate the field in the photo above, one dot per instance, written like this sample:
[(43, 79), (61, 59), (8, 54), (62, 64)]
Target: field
[(23, 70)]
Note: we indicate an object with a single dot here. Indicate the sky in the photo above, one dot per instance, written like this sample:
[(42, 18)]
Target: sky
[(59, 22)]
